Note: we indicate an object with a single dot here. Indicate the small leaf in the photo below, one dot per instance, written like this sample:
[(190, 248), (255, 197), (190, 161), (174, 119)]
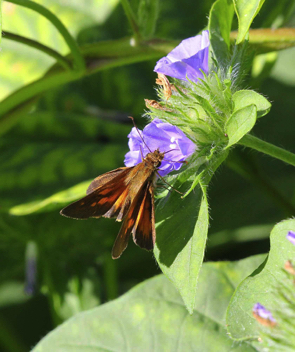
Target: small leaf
[(152, 317), (242, 98), (240, 123), (148, 12), (181, 244), (220, 21), (12, 292), (246, 11), (52, 202), (259, 286)]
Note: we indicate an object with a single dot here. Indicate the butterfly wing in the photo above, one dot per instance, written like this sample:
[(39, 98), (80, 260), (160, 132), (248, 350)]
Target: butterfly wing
[(140, 221), (105, 178), (107, 189), (144, 233)]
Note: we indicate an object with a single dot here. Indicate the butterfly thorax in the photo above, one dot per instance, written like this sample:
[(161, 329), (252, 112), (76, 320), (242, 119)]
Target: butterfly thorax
[(154, 159)]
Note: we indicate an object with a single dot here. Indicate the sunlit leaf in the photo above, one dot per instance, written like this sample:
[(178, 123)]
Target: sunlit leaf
[(152, 317), (260, 285), (181, 243), (246, 11)]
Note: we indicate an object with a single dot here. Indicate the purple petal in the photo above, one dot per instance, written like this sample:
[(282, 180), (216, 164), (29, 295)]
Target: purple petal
[(189, 47), (186, 60), (262, 312), (132, 158), (291, 237), (165, 137), (134, 139)]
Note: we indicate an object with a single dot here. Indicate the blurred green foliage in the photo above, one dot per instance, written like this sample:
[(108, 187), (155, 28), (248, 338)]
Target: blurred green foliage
[(79, 130)]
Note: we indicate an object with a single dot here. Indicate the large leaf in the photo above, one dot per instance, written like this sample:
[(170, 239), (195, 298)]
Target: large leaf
[(28, 64), (152, 317), (246, 11), (181, 239), (220, 21), (260, 285), (50, 152)]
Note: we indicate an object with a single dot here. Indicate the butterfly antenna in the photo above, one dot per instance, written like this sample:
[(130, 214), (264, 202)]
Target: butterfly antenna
[(168, 183), (130, 117)]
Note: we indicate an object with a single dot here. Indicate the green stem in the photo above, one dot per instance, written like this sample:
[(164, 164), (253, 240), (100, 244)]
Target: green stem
[(132, 20), (268, 148), (9, 338), (110, 277), (266, 40), (79, 63), (34, 44)]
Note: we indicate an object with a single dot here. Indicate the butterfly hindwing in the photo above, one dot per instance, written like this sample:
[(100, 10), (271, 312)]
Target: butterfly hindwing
[(127, 226), (140, 221), (144, 233)]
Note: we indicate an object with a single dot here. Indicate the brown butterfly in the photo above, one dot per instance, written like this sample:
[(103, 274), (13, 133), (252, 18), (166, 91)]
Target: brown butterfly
[(127, 194)]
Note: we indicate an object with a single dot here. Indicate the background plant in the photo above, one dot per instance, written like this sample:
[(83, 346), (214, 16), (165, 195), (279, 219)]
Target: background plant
[(65, 99)]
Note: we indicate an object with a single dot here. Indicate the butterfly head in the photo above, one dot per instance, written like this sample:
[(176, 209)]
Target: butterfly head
[(155, 158)]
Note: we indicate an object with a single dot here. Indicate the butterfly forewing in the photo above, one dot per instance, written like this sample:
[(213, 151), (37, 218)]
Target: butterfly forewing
[(106, 192)]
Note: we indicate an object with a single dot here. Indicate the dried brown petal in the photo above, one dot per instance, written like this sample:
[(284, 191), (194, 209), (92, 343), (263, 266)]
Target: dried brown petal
[(290, 267), (264, 321), (162, 80)]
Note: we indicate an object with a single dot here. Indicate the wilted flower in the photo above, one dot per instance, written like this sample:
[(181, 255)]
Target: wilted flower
[(289, 267), (186, 60), (291, 236), (263, 316), (163, 136)]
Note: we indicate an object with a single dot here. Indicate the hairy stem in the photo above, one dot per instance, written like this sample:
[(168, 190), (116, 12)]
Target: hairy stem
[(132, 19), (34, 44), (268, 148)]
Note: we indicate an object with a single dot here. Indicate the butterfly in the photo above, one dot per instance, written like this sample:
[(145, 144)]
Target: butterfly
[(127, 194)]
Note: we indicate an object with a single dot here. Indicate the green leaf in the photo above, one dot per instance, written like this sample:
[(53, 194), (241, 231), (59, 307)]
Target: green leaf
[(48, 153), (0, 20), (29, 64), (240, 123), (12, 292), (152, 316), (180, 243), (220, 21), (148, 12), (259, 286), (242, 98), (246, 11), (56, 201)]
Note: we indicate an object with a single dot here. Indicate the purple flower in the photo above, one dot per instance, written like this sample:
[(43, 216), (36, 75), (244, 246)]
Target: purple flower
[(187, 59), (291, 236), (163, 136), (31, 268), (262, 315)]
